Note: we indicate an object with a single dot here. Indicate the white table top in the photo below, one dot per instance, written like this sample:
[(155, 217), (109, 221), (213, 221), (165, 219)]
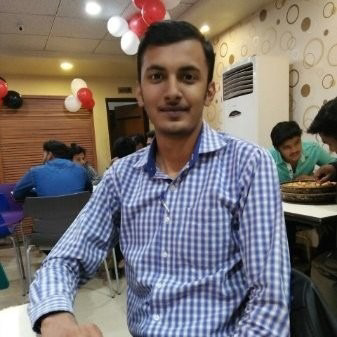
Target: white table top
[(314, 211), (14, 322)]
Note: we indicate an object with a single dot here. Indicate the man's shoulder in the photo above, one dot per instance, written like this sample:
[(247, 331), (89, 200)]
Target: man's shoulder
[(309, 146)]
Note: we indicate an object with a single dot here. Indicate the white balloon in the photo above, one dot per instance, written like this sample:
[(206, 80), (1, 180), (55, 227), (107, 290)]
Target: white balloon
[(169, 4), (76, 85), (72, 103), (167, 16), (117, 26), (130, 43)]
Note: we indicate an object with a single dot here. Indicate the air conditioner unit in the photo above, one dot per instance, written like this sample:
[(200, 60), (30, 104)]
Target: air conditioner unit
[(256, 97)]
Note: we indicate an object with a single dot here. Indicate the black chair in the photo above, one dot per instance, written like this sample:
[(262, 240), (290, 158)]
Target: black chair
[(309, 316), (51, 218)]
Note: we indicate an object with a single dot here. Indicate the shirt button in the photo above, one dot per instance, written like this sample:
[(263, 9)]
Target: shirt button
[(159, 285), (156, 317), (165, 254), (167, 220), (172, 187)]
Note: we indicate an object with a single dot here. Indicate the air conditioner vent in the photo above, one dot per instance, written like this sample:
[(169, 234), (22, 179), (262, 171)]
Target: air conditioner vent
[(238, 81)]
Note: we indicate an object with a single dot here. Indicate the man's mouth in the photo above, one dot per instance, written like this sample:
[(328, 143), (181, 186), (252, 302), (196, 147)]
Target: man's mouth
[(174, 108)]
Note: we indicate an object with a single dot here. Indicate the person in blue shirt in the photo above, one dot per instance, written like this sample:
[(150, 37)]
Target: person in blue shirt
[(57, 176), (294, 158), (198, 214)]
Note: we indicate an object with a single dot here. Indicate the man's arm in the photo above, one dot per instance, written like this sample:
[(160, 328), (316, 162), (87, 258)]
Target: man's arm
[(76, 257), (324, 157), (24, 187), (264, 248)]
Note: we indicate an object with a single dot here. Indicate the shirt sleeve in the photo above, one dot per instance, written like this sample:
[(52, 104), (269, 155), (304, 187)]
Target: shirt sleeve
[(24, 187), (264, 249), (323, 157), (78, 254)]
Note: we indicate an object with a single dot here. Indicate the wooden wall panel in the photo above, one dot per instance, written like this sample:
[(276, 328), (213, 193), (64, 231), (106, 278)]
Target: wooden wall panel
[(24, 130)]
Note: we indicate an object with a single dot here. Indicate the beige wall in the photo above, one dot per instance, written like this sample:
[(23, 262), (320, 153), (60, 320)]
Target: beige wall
[(305, 31), (101, 88)]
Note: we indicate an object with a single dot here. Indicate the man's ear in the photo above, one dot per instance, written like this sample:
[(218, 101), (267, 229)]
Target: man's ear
[(209, 93), (139, 95)]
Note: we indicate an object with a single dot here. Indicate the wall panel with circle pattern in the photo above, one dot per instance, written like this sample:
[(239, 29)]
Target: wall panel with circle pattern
[(304, 30)]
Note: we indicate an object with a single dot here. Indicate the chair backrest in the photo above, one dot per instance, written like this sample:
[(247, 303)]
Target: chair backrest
[(309, 316), (52, 216), (6, 190)]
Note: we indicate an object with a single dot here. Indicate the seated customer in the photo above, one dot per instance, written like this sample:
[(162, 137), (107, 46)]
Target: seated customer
[(58, 176), (295, 158), (78, 156), (325, 124)]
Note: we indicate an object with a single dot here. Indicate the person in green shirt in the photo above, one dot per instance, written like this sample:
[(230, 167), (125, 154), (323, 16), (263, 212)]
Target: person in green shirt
[(294, 158)]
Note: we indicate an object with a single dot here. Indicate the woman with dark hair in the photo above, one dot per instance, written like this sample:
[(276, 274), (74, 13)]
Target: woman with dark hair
[(78, 156)]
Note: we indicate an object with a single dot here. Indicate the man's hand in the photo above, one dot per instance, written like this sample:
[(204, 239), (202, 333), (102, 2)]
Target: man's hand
[(64, 325), (325, 173)]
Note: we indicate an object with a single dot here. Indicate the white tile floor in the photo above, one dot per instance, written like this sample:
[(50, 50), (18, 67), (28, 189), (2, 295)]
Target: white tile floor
[(92, 304)]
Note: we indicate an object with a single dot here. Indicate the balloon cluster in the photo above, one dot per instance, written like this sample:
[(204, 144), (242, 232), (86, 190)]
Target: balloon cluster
[(150, 11), (9, 98), (81, 97)]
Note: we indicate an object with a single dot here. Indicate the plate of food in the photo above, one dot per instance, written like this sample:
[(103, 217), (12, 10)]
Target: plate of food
[(308, 187)]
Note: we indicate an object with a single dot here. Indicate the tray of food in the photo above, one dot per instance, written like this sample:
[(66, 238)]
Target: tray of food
[(308, 187), (316, 198)]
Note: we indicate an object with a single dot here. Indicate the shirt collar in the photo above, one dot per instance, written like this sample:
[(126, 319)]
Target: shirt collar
[(207, 141)]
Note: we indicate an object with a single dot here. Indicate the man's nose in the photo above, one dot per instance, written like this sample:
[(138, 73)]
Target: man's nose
[(173, 90)]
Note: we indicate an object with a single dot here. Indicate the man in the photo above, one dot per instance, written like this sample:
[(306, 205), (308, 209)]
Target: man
[(57, 176), (325, 124), (294, 158), (202, 228)]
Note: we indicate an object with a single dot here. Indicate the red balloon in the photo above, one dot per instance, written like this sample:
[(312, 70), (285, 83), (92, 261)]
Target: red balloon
[(84, 95), (138, 3), (137, 24), (89, 104), (3, 88), (153, 10)]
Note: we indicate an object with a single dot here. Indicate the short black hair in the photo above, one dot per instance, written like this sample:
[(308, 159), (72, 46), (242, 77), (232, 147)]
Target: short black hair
[(139, 139), (123, 146), (76, 149), (150, 134), (283, 131), (325, 121), (58, 149), (167, 32)]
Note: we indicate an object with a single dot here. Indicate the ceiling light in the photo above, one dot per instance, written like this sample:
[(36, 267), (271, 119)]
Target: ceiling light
[(204, 29), (92, 8), (66, 66)]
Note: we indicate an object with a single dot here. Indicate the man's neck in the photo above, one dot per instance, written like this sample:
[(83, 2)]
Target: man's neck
[(173, 153)]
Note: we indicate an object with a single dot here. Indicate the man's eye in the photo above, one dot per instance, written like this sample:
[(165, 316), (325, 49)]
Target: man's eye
[(189, 77), (156, 77)]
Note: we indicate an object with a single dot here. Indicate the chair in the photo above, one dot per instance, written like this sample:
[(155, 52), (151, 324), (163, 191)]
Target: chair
[(11, 216), (309, 316), (51, 218)]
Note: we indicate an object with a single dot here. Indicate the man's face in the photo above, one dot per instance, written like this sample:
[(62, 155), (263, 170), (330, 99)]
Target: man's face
[(291, 150), (174, 89), (330, 141), (46, 156), (79, 158)]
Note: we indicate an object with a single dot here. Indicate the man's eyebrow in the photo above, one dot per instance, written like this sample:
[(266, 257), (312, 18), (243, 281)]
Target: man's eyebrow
[(189, 68), (155, 67)]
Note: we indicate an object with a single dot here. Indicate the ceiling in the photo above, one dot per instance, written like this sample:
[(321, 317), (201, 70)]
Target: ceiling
[(36, 35)]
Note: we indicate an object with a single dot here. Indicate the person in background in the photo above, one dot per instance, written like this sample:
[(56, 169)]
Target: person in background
[(149, 137), (325, 124), (198, 214), (123, 146), (57, 176), (294, 158), (139, 141), (78, 156)]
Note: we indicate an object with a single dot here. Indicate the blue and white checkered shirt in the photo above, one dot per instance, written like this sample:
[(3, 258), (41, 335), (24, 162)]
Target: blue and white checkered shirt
[(206, 253)]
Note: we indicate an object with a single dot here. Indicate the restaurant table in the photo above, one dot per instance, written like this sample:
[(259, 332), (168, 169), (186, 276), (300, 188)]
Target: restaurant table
[(310, 215), (14, 322), (306, 215)]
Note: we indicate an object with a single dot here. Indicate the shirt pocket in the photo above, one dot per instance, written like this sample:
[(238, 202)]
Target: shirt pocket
[(204, 241)]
